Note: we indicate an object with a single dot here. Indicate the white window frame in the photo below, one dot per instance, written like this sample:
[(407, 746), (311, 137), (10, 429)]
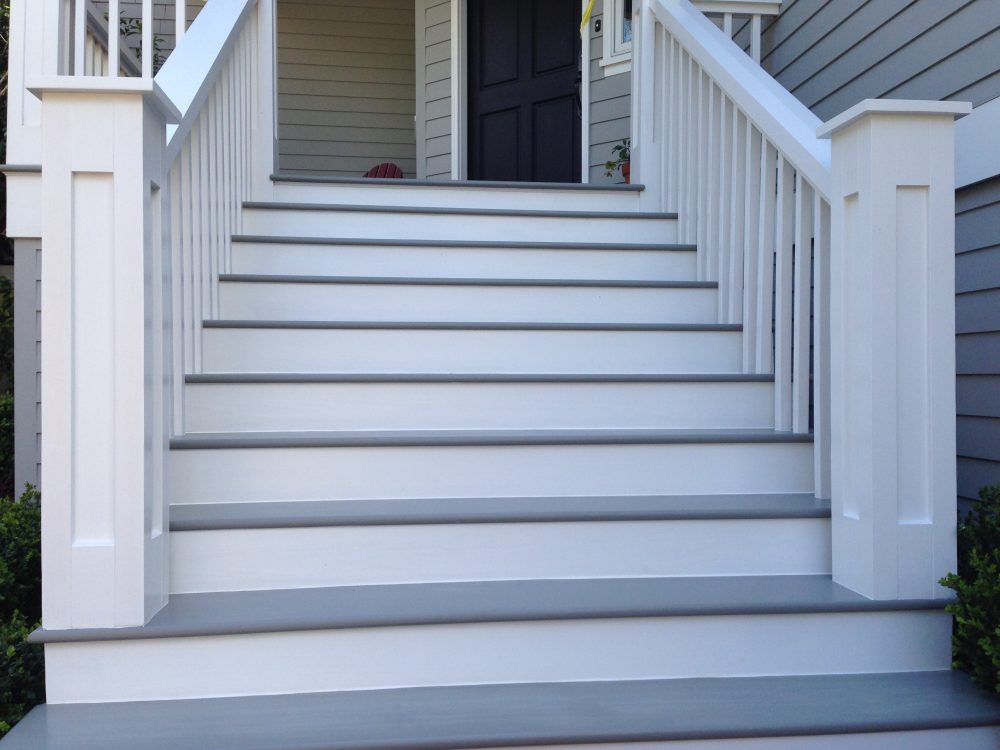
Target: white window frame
[(617, 55)]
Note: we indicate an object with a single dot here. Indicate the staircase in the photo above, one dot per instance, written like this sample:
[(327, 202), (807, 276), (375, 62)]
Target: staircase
[(473, 466)]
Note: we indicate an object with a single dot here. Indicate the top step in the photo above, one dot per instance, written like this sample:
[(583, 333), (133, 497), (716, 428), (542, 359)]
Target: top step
[(457, 193), (450, 223)]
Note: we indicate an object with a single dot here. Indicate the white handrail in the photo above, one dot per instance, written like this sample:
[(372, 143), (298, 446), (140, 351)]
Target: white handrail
[(737, 157), (788, 123)]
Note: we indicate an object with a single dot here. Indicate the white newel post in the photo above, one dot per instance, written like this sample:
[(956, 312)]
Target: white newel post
[(645, 152), (892, 339), (104, 293)]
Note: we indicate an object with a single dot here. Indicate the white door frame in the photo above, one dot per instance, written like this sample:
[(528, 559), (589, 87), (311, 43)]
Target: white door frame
[(459, 93)]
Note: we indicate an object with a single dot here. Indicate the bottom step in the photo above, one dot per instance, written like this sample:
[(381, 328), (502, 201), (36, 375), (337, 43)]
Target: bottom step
[(917, 710)]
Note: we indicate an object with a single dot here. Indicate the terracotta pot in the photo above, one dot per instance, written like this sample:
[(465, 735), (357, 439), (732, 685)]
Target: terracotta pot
[(627, 172)]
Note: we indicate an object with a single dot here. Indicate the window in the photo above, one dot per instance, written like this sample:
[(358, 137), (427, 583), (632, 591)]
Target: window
[(617, 37)]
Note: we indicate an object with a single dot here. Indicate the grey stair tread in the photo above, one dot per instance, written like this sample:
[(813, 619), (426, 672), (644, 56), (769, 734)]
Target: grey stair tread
[(461, 377), (419, 438), (575, 187), (388, 605), (368, 325), (309, 513), (451, 211), (247, 278), (536, 714), (266, 239)]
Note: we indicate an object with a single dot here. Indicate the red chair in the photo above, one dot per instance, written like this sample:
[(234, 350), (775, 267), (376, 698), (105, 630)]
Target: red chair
[(386, 170)]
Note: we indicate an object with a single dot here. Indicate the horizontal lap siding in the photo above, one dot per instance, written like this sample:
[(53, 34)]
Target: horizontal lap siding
[(610, 107), (434, 95), (346, 86), (977, 307), (164, 20), (832, 55)]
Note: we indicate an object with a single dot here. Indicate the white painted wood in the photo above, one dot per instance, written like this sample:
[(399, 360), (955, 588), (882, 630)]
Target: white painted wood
[(342, 350), (223, 475), (821, 345), (892, 348), (294, 222), (234, 407), (397, 302), (459, 262), (977, 149), (783, 280), (218, 560), (766, 262), (103, 442), (752, 253), (638, 648), (802, 306), (458, 195)]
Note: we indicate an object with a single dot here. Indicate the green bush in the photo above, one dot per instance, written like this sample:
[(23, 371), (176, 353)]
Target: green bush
[(22, 680), (6, 334), (6, 445), (976, 633)]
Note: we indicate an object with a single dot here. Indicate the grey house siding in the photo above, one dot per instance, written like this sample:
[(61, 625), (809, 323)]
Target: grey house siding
[(832, 55), (346, 86), (977, 307), (27, 362), (610, 106), (164, 19)]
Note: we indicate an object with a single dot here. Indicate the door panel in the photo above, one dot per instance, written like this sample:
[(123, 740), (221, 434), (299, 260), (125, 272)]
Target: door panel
[(524, 119)]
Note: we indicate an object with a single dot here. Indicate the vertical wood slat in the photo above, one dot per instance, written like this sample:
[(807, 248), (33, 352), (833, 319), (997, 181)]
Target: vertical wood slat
[(784, 241), (690, 154), (751, 246), (80, 37), (755, 37), (726, 148), (703, 148), (114, 38), (177, 346), (802, 298), (765, 251), (821, 347), (673, 124), (148, 53), (662, 114), (737, 218), (180, 20)]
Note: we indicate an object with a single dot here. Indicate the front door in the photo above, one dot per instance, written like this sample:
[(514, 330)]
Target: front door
[(524, 103)]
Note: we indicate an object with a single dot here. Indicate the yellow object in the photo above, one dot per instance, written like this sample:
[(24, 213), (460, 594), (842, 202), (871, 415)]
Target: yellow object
[(586, 15)]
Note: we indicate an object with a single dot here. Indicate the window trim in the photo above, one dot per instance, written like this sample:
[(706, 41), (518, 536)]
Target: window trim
[(617, 55)]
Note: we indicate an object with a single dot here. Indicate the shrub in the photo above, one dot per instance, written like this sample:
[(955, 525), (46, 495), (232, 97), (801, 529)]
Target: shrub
[(22, 676), (976, 633), (6, 334), (6, 445)]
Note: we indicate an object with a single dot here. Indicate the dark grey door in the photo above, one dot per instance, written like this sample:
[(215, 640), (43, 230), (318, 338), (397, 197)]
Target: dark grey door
[(524, 106)]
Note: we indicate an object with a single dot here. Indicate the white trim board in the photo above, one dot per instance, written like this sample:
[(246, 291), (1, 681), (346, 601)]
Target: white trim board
[(977, 145)]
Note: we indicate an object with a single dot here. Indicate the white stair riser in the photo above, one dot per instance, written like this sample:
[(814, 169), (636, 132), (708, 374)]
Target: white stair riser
[(459, 196), (976, 738), (345, 556), (292, 222), (234, 407), (243, 474), (399, 302), (506, 652), (457, 262), (469, 351)]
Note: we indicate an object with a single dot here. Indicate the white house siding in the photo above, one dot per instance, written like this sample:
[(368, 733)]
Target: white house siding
[(346, 91), (434, 66), (610, 106), (832, 55)]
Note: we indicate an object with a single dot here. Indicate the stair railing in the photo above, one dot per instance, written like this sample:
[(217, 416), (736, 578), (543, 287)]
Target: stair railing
[(728, 13), (737, 157), (137, 227), (833, 246)]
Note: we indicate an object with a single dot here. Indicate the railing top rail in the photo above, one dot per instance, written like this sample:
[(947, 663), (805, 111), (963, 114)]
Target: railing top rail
[(784, 120), (190, 72), (740, 7)]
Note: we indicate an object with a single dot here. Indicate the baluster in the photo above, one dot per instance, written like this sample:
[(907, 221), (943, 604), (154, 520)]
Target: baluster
[(726, 116), (673, 126), (801, 304), (689, 151), (177, 317), (755, 37), (737, 217), (663, 69), (727, 24), (180, 20), (821, 346), (765, 267), (704, 146), (784, 241), (148, 53), (751, 246), (188, 254), (80, 36)]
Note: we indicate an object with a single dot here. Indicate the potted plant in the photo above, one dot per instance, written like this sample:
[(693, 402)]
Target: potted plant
[(621, 153)]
